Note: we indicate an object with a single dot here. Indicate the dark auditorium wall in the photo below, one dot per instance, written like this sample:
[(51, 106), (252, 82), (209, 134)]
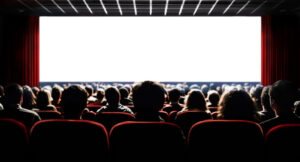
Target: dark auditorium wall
[(1, 50), (19, 50), (280, 49)]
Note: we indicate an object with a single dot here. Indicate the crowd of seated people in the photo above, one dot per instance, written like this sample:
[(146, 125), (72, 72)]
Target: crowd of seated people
[(268, 105), (12, 100), (113, 98)]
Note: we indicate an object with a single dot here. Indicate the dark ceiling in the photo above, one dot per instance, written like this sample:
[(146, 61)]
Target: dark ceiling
[(149, 7)]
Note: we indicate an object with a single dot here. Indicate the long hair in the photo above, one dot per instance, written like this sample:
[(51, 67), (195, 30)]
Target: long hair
[(43, 99), (29, 98), (195, 100), (237, 104)]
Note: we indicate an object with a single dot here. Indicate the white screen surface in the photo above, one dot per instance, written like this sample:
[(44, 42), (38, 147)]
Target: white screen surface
[(150, 48)]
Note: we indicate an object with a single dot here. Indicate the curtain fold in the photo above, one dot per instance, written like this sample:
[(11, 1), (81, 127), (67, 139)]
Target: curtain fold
[(20, 57), (280, 49)]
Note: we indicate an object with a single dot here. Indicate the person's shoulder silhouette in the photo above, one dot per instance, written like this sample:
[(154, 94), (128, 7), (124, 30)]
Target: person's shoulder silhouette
[(13, 109), (283, 95)]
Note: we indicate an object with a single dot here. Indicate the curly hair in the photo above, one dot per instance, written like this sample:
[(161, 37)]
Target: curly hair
[(237, 104)]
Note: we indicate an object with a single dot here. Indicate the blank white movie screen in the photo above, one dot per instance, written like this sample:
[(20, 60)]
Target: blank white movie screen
[(175, 49)]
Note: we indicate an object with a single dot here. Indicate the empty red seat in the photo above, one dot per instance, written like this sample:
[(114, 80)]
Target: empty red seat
[(69, 140), (282, 143), (13, 141), (109, 119), (146, 141), (47, 114), (225, 140), (187, 118)]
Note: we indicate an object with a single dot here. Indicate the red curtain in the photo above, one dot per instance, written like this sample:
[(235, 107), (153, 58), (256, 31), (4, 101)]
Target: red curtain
[(20, 57), (280, 49)]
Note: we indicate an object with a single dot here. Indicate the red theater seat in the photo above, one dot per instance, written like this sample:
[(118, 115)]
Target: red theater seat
[(146, 141), (109, 119), (215, 114), (172, 116), (69, 140), (13, 141), (187, 118), (88, 115), (164, 115), (213, 109), (132, 108), (225, 140), (282, 143), (45, 114), (58, 108), (93, 108)]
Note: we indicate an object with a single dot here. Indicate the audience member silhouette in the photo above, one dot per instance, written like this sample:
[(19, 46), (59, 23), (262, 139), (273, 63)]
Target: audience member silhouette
[(56, 95), (174, 96), (90, 91), (35, 90), (267, 112), (195, 101), (297, 108), (219, 90), (73, 102), (213, 98), (13, 109), (1, 93), (256, 95), (124, 97), (43, 101), (148, 98), (29, 99), (283, 95), (194, 86), (128, 87), (100, 96), (204, 89), (112, 96), (237, 105)]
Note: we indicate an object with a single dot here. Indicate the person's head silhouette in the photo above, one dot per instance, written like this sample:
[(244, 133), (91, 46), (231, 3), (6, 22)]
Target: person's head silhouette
[(112, 96), (237, 104), (148, 98), (13, 94), (283, 95), (73, 101)]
